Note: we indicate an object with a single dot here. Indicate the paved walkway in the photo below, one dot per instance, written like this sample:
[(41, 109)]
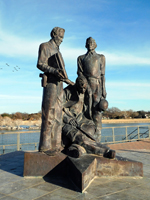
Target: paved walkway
[(14, 186), (142, 144)]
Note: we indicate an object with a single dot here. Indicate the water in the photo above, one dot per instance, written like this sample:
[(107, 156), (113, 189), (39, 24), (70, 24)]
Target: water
[(120, 133), (125, 124), (25, 138)]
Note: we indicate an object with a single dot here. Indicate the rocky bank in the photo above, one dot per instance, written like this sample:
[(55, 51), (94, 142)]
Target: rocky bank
[(7, 123)]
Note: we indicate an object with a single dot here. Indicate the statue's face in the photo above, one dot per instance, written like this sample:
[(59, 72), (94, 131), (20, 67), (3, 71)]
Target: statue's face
[(82, 88), (59, 38), (90, 44)]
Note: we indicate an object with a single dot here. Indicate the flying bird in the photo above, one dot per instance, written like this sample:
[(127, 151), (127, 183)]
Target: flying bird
[(7, 64)]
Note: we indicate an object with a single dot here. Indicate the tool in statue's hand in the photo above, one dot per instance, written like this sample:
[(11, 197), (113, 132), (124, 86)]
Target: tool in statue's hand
[(74, 123), (61, 69), (60, 74), (62, 77)]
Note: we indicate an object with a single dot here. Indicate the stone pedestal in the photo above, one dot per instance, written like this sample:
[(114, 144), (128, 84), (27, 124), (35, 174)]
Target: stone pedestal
[(80, 170), (40, 164)]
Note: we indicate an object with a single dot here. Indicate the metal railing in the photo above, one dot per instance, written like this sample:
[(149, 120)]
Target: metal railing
[(110, 135), (17, 143), (131, 133)]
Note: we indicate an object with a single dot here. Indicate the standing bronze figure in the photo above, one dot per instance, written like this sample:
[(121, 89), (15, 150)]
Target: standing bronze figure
[(50, 61), (92, 66)]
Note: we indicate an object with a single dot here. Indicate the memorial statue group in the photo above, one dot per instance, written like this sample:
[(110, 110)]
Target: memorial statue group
[(72, 117)]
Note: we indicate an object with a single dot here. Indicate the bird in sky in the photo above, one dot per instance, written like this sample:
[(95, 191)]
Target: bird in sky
[(15, 68)]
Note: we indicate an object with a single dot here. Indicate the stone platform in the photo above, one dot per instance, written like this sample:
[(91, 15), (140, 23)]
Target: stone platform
[(81, 171), (13, 186)]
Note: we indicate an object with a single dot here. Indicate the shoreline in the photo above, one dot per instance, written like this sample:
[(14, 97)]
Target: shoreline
[(104, 121), (121, 121), (36, 124)]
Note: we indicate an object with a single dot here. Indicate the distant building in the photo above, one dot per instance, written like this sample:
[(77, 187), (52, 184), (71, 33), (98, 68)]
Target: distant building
[(147, 116)]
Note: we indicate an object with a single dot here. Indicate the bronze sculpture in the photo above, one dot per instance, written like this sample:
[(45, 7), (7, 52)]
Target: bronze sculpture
[(50, 61), (78, 128), (81, 104), (74, 112), (92, 66)]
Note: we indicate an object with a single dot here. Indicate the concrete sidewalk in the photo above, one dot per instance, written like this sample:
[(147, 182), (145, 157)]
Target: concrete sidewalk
[(14, 186), (136, 145)]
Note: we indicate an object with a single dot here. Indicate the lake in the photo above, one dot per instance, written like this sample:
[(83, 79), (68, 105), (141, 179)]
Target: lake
[(106, 134), (120, 133)]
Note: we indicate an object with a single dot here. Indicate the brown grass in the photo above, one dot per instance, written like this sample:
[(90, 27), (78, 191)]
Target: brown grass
[(9, 122), (6, 121)]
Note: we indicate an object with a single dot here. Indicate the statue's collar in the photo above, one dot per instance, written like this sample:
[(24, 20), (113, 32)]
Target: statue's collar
[(91, 52), (54, 44)]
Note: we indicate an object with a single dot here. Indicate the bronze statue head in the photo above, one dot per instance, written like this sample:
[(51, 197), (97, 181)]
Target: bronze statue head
[(81, 84), (90, 44), (57, 35), (103, 104)]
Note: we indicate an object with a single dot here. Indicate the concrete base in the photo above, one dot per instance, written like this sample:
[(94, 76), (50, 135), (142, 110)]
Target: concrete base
[(81, 170), (118, 167), (40, 164)]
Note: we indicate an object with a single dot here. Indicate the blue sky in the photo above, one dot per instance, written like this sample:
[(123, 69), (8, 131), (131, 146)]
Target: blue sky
[(120, 28)]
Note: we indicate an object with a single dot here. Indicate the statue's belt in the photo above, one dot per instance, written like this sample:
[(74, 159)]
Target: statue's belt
[(92, 77)]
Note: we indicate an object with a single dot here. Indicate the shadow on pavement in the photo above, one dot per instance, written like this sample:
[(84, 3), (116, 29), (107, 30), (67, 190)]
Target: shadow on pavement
[(59, 177), (12, 162)]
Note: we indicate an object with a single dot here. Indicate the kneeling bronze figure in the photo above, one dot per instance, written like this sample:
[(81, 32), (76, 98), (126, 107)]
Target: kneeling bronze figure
[(78, 129)]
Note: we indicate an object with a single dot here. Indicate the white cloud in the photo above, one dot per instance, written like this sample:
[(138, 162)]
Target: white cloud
[(12, 45), (128, 91), (125, 59), (117, 59), (128, 84), (15, 46), (71, 54)]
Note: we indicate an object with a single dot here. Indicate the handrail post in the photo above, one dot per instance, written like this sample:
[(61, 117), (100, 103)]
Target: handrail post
[(126, 133), (35, 146), (113, 134), (18, 141), (149, 131), (3, 149), (138, 133)]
